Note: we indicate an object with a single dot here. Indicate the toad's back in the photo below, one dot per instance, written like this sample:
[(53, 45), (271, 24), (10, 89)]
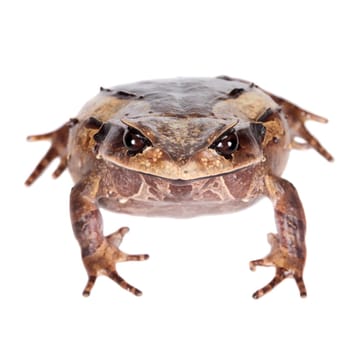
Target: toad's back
[(180, 96)]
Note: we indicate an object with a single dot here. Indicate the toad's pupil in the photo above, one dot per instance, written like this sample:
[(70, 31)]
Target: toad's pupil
[(227, 145), (134, 141)]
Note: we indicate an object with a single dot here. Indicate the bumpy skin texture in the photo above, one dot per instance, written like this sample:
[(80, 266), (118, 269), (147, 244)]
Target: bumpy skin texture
[(181, 148)]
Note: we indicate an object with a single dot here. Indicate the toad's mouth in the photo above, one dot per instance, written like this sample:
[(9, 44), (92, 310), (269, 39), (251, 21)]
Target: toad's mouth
[(204, 164)]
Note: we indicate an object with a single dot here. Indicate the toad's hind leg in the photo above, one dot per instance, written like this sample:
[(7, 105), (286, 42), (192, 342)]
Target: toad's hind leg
[(296, 120), (58, 149), (288, 250)]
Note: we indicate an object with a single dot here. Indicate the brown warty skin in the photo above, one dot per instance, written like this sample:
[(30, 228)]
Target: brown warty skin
[(182, 148)]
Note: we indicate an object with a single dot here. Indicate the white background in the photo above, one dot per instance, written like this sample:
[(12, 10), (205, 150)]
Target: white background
[(197, 285)]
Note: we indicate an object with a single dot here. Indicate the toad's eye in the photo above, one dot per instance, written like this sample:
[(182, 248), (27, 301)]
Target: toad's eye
[(226, 144), (134, 141)]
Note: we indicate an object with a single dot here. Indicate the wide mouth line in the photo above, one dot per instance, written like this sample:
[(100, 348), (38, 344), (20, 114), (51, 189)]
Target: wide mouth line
[(183, 180)]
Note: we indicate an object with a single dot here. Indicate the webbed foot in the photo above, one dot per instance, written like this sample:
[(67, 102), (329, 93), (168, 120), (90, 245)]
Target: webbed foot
[(310, 140), (297, 117), (58, 149), (103, 262), (286, 266)]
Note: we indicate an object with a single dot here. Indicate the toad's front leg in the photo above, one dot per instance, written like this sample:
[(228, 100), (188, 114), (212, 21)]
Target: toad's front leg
[(288, 250), (100, 254)]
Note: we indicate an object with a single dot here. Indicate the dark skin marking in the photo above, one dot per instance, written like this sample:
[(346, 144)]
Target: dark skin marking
[(235, 93), (125, 94), (264, 117), (102, 133), (102, 89), (93, 123), (224, 77), (259, 131)]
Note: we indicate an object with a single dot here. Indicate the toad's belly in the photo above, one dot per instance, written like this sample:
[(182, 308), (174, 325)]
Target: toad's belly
[(180, 209)]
